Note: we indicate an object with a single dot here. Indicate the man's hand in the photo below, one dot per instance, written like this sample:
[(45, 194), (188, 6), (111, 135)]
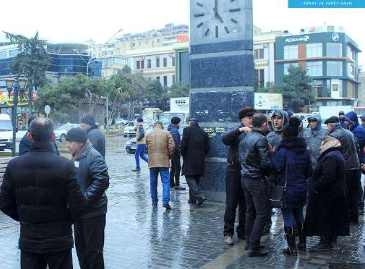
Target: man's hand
[(272, 149), (245, 130)]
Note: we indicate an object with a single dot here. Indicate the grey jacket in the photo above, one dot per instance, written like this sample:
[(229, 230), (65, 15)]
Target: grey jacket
[(314, 138), (275, 137)]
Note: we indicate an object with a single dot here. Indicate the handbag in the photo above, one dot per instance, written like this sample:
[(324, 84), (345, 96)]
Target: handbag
[(278, 193)]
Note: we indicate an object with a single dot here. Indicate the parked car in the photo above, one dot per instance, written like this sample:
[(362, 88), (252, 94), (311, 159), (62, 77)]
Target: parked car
[(131, 145), (61, 131), (129, 129)]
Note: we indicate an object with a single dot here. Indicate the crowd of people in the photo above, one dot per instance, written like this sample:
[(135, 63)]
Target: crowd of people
[(317, 168)]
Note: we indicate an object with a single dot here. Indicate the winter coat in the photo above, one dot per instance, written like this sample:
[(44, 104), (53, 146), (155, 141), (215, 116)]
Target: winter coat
[(97, 139), (327, 205), (174, 130), (40, 190), (92, 174), (314, 138), (25, 144), (254, 156), (349, 147), (140, 135), (275, 137), (299, 169), (161, 146), (358, 131), (194, 146), (232, 138)]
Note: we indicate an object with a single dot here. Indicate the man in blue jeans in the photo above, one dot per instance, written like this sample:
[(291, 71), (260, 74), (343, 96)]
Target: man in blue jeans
[(161, 147), (141, 144)]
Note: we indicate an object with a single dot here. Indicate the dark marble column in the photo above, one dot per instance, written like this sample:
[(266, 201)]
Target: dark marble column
[(222, 82)]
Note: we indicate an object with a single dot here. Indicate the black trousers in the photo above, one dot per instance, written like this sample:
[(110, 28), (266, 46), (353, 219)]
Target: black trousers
[(89, 242), (54, 260), (194, 189), (175, 169), (235, 197), (353, 178), (256, 210)]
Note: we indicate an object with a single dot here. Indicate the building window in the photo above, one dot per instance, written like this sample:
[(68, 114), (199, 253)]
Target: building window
[(157, 62), (142, 64), (314, 50), (314, 69), (317, 88), (164, 62), (165, 81), (138, 65), (286, 67), (336, 88), (260, 75), (350, 70), (334, 68), (173, 61), (259, 54), (291, 52), (334, 49), (149, 63)]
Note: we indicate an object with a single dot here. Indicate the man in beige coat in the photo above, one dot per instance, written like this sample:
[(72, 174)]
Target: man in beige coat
[(161, 146)]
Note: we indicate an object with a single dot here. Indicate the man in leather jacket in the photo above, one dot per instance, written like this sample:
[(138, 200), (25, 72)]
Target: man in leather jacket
[(234, 193), (255, 163), (92, 174)]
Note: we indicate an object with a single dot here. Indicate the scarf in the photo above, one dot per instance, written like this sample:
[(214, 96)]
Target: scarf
[(329, 143)]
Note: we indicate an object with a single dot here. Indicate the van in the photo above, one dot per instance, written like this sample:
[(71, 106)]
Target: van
[(6, 132)]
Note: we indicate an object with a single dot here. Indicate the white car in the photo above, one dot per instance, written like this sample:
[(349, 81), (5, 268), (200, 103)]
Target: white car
[(61, 131), (129, 129)]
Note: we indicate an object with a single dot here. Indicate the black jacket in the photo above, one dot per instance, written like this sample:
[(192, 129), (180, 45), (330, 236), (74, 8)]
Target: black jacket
[(327, 210), (349, 147), (232, 138), (254, 156), (25, 144), (174, 130), (194, 147), (97, 139), (92, 174), (41, 191)]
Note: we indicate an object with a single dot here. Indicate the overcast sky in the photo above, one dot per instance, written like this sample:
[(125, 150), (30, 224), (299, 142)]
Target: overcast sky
[(82, 20)]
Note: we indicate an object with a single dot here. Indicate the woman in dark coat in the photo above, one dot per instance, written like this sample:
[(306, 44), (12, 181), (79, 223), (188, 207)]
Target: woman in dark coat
[(327, 206), (293, 152)]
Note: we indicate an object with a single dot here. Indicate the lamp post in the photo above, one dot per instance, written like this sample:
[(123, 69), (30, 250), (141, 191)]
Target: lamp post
[(15, 85)]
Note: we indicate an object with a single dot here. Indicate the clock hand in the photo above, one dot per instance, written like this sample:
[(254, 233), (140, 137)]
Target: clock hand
[(219, 17), (215, 8)]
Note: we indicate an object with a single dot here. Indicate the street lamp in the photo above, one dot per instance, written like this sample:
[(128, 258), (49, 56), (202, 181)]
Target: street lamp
[(15, 85)]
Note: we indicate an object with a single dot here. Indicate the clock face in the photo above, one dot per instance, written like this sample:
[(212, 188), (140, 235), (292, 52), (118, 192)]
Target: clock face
[(220, 19)]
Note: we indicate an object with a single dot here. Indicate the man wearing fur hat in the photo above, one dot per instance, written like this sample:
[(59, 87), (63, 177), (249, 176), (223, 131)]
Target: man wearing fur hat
[(234, 193), (95, 136)]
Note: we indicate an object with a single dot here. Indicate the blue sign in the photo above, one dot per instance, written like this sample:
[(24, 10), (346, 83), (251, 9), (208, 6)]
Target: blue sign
[(326, 3)]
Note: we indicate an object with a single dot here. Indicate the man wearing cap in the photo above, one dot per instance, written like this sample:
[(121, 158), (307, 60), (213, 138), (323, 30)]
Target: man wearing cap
[(234, 192), (95, 136), (341, 116), (175, 160), (41, 191), (160, 149), (92, 174), (194, 147), (314, 136), (349, 149), (141, 144)]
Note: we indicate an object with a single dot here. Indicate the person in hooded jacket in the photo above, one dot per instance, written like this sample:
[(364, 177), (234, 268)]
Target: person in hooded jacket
[(327, 210), (292, 161), (314, 136)]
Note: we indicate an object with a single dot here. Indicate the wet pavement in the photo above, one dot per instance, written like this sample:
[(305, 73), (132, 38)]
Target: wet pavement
[(139, 236)]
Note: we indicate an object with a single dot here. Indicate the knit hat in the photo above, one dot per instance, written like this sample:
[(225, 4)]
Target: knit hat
[(246, 112), (88, 119), (175, 120), (77, 135), (291, 129), (333, 119), (140, 120)]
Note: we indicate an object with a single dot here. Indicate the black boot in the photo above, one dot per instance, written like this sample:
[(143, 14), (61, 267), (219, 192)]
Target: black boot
[(302, 237), (333, 243), (323, 245), (290, 239)]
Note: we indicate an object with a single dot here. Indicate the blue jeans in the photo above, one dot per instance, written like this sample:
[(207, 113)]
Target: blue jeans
[(292, 216), (140, 152), (165, 179)]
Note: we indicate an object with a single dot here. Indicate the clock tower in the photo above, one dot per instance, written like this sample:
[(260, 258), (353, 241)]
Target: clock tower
[(221, 76)]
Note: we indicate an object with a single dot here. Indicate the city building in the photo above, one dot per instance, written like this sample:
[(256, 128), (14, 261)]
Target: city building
[(362, 90), (330, 58)]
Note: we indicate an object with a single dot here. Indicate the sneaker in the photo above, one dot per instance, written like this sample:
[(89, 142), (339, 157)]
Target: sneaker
[(167, 206), (136, 170), (201, 201), (258, 253), (228, 239), (179, 188)]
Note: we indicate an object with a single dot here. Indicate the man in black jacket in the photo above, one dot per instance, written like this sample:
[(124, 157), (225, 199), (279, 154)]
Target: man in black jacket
[(194, 147), (41, 191), (255, 163), (95, 136), (92, 174), (350, 151), (234, 192)]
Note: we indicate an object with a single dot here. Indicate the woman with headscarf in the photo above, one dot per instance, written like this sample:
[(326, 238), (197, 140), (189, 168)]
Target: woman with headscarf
[(327, 211)]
